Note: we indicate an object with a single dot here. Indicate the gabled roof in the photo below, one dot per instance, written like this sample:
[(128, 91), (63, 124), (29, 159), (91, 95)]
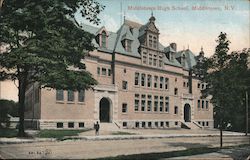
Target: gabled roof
[(111, 37), (132, 31), (190, 60)]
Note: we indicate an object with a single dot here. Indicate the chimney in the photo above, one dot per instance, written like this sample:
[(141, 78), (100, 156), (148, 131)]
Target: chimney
[(173, 46)]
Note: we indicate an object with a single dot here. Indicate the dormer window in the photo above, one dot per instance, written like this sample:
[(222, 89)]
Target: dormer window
[(104, 39), (127, 44)]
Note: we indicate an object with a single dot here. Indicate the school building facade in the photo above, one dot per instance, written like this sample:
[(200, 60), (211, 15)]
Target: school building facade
[(142, 84)]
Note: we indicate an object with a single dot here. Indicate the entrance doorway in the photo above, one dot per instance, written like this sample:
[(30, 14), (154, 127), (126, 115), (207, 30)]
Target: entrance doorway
[(187, 113), (104, 113)]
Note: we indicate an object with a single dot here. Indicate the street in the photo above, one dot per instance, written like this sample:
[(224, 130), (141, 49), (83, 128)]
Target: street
[(109, 148)]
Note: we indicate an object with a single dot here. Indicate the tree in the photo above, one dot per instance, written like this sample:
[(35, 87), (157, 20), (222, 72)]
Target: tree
[(45, 44), (224, 74)]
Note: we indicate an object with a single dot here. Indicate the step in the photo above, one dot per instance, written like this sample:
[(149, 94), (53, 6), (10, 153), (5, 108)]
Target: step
[(109, 127)]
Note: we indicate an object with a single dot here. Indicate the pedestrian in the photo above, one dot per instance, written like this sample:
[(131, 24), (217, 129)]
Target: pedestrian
[(97, 127)]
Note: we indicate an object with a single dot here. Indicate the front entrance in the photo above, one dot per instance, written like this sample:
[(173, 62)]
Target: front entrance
[(104, 113), (187, 113)]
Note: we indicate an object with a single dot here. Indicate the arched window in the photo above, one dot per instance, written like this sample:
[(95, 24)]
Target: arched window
[(104, 39)]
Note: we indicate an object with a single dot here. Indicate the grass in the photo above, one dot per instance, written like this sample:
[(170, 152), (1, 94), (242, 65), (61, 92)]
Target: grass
[(122, 133), (8, 133), (59, 134)]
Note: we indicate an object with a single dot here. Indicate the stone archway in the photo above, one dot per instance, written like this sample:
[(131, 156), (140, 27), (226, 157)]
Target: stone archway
[(187, 113), (104, 111)]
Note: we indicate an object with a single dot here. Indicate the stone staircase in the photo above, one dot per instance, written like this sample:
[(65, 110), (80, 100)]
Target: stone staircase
[(190, 125), (109, 126)]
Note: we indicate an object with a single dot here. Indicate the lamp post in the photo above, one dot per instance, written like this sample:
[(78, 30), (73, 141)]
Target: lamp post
[(246, 113)]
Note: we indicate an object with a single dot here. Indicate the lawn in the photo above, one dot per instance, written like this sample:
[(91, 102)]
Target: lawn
[(59, 134), (8, 133), (122, 133)]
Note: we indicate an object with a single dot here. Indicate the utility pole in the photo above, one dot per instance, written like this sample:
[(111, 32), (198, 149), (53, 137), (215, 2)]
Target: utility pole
[(246, 113)]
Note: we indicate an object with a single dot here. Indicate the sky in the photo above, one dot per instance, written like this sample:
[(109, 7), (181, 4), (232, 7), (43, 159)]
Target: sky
[(189, 23)]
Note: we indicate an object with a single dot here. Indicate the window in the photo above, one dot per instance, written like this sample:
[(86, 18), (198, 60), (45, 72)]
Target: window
[(167, 124), (175, 91), (202, 106), (150, 41), (137, 102), (150, 61), (144, 58), (137, 75), (124, 107), (175, 110), (206, 104), (156, 103), (81, 124), (59, 95), (207, 123), (124, 70), (202, 86), (71, 96), (176, 123), (98, 70), (166, 104), (124, 124), (129, 44), (198, 85), (203, 123), (160, 61), (149, 80), (137, 124), (104, 71), (150, 124), (143, 124), (142, 79), (161, 82), (187, 84), (162, 124), (124, 85), (81, 96), (155, 81), (109, 72), (104, 36), (143, 102), (59, 125), (155, 62), (156, 124), (155, 42), (161, 104), (166, 83), (184, 84), (199, 103), (71, 125), (149, 103)]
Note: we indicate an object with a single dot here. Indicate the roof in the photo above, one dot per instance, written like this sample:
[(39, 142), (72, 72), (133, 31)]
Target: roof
[(190, 60), (132, 31)]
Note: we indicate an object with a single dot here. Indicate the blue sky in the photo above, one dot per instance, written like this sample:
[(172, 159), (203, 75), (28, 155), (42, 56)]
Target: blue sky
[(187, 27)]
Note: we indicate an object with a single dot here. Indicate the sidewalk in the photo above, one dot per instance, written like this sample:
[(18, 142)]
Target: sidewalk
[(132, 134), (223, 154)]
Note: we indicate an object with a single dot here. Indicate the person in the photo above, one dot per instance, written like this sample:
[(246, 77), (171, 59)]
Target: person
[(97, 127)]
